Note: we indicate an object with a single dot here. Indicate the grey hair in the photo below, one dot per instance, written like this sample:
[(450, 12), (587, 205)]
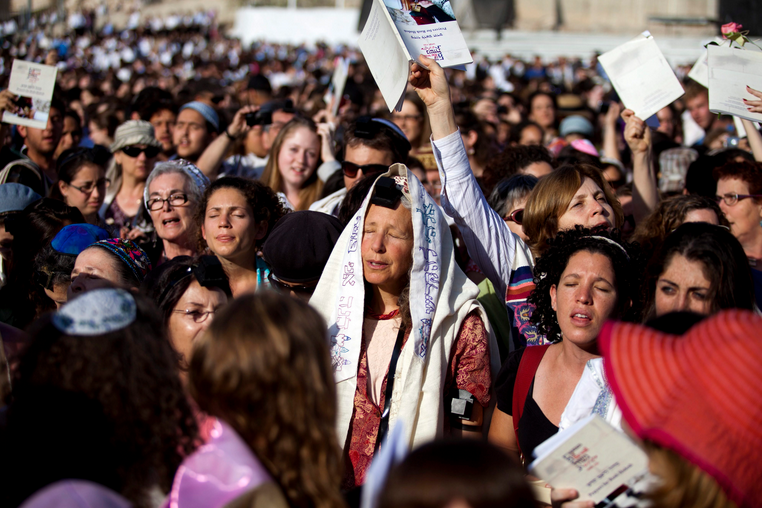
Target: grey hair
[(168, 167), (509, 191)]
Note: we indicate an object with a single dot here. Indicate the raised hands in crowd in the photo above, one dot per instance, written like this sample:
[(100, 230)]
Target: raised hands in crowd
[(220, 287)]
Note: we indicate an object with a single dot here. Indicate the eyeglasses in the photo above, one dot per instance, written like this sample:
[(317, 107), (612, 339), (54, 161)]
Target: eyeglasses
[(732, 199), (155, 204), (101, 184), (135, 151), (286, 287), (350, 169), (198, 316), (515, 216)]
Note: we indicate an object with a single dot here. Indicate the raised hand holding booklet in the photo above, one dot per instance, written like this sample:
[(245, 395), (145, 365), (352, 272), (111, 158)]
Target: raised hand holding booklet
[(33, 84), (592, 457), (730, 71), (399, 31), (641, 76)]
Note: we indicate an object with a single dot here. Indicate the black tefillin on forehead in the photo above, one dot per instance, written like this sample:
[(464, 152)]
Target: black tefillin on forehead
[(386, 193)]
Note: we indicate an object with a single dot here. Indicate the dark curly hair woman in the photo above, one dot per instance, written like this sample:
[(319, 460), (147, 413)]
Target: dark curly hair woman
[(263, 370), (96, 396), (583, 279), (235, 217)]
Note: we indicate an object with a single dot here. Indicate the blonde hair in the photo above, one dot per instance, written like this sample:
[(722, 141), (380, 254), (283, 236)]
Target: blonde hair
[(271, 177), (550, 199), (682, 483), (264, 367)]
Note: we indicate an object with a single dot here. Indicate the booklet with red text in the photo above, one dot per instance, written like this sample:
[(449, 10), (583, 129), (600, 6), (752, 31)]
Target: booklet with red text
[(33, 85), (399, 31), (591, 456)]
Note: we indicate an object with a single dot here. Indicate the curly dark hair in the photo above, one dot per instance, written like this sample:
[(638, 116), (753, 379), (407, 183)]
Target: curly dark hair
[(625, 259), (108, 408), (264, 368), (265, 204)]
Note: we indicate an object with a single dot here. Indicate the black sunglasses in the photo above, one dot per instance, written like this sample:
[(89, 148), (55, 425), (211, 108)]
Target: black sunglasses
[(350, 169), (286, 287), (135, 151)]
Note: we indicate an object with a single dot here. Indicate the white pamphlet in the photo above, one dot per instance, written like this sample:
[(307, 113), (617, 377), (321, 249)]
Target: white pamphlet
[(700, 71), (338, 83), (591, 457), (33, 84), (399, 31), (641, 76), (730, 71)]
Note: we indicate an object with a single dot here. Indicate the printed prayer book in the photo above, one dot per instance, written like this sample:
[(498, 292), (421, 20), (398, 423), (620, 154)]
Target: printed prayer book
[(641, 76), (33, 85), (399, 31), (730, 71), (593, 457)]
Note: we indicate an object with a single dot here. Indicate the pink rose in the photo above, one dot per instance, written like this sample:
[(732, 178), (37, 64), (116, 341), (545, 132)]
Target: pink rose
[(730, 28)]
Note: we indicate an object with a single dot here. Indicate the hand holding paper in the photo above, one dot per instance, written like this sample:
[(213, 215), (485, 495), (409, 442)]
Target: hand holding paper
[(636, 132), (733, 74), (755, 106)]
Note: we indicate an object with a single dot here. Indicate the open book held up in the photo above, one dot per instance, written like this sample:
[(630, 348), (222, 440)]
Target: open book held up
[(399, 31), (592, 457)]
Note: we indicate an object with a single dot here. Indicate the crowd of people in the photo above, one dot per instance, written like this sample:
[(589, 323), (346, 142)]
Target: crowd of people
[(223, 284)]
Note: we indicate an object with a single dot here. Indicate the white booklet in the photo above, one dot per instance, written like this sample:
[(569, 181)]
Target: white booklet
[(641, 76), (730, 71), (592, 457), (399, 31), (700, 71), (33, 84), (335, 92)]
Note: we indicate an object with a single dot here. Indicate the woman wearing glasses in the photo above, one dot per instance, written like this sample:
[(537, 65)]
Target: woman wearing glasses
[(291, 169), (135, 149), (508, 199), (172, 194), (739, 192), (82, 181)]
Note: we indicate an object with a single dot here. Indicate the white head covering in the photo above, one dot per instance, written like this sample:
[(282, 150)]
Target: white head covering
[(441, 298)]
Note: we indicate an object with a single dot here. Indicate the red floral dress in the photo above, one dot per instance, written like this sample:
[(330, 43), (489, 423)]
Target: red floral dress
[(469, 369)]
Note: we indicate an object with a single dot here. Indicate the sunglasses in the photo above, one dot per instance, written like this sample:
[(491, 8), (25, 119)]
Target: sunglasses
[(515, 216), (350, 169), (135, 151), (287, 287)]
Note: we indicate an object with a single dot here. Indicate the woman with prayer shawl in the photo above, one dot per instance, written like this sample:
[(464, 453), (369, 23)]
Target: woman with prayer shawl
[(409, 341)]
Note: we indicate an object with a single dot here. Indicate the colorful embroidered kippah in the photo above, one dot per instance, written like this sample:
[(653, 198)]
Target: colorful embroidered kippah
[(132, 255), (96, 312)]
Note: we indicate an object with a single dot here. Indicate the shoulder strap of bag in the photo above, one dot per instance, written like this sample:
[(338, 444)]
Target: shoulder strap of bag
[(383, 427), (530, 361)]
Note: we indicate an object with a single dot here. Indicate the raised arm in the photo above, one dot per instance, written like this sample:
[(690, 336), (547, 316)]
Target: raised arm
[(489, 241), (210, 161), (645, 194), (752, 134)]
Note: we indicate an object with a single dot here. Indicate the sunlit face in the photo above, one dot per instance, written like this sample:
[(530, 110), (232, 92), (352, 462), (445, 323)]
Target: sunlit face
[(387, 247), (94, 268), (745, 215), (298, 157), (230, 228), (138, 167), (363, 155), (163, 122), (588, 208), (45, 141), (585, 297), (682, 286), (698, 107), (279, 119), (189, 318), (409, 120), (172, 223), (89, 177), (190, 134)]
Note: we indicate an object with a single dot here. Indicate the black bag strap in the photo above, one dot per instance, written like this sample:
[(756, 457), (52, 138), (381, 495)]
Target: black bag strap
[(383, 427)]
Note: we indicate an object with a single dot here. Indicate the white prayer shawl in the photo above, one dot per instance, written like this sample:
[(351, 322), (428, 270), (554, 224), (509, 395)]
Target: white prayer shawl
[(592, 395), (441, 296)]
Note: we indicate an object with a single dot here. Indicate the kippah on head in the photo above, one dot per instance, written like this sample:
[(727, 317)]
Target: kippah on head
[(14, 197), (300, 244), (75, 238)]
